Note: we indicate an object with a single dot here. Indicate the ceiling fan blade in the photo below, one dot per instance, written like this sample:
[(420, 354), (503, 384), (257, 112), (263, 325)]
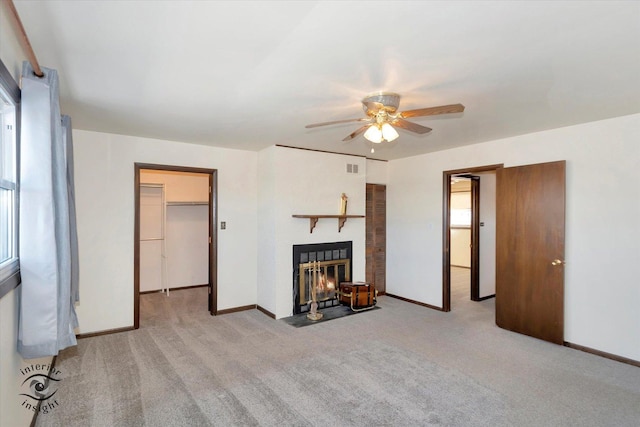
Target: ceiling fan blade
[(335, 122), (356, 132), (432, 111), (413, 127)]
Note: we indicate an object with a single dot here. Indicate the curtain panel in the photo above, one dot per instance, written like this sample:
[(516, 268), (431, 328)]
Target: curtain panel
[(48, 241)]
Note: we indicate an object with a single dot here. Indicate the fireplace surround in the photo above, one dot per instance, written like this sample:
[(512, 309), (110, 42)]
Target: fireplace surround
[(332, 264)]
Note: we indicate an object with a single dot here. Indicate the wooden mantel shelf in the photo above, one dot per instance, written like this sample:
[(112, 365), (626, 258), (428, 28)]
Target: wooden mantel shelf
[(313, 219)]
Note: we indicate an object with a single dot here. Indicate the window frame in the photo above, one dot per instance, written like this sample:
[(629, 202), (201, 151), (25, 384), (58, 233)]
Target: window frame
[(10, 274)]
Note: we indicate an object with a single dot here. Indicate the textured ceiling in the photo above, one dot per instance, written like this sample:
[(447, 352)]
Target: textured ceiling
[(247, 75)]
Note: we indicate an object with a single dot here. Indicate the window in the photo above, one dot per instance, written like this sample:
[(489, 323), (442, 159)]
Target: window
[(9, 100)]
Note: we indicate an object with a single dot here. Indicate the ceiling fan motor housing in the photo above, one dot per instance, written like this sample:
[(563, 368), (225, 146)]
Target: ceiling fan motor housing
[(389, 100)]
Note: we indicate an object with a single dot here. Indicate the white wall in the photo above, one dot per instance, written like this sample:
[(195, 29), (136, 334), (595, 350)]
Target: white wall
[(187, 245), (104, 166), (460, 249), (267, 229), (461, 237), (602, 227), (179, 186), (10, 51), (11, 413), (304, 182), (377, 171), (152, 274)]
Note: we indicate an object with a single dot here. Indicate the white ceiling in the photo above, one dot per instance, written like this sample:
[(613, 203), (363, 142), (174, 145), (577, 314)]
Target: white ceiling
[(248, 75)]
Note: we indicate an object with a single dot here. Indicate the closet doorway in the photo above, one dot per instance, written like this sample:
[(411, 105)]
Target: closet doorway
[(175, 239)]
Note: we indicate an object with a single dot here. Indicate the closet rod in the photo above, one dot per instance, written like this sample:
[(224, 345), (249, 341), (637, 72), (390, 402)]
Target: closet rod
[(22, 36)]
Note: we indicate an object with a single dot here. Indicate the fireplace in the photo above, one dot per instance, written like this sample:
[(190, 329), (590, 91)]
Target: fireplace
[(327, 264)]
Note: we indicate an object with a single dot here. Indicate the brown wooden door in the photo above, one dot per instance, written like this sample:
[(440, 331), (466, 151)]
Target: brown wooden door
[(475, 238), (530, 219), (376, 236)]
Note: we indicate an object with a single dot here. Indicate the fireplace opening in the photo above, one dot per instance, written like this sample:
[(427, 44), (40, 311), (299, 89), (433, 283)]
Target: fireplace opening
[(324, 265)]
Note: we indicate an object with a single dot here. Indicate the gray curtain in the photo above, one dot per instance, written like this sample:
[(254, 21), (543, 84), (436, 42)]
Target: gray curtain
[(48, 241), (73, 231)]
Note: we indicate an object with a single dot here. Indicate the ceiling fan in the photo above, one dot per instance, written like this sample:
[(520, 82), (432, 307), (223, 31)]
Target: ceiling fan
[(382, 114)]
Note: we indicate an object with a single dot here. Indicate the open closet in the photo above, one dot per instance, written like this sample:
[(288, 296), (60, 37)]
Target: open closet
[(174, 230), (175, 236)]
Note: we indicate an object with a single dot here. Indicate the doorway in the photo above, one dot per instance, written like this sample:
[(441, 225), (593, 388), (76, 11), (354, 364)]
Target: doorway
[(191, 200), (470, 228), (529, 248)]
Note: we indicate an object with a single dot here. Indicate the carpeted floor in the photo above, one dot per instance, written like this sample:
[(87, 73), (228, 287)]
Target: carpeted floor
[(403, 365)]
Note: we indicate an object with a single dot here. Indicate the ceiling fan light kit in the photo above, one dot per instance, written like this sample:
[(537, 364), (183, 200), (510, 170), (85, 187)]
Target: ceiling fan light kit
[(373, 134), (382, 114), (389, 133), (378, 134)]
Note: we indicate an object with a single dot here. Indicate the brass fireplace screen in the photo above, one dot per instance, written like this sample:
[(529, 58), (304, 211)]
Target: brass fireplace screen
[(327, 276)]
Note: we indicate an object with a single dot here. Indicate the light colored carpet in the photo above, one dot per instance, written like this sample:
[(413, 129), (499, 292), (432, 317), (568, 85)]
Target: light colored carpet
[(403, 365)]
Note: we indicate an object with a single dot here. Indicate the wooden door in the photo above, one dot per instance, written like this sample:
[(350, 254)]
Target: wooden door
[(376, 236), (475, 238), (530, 219)]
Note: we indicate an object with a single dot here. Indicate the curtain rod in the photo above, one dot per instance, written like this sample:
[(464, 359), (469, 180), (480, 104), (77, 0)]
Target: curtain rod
[(22, 36)]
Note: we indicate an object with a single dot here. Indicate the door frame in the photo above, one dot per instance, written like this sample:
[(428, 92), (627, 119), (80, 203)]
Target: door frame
[(446, 230), (213, 241)]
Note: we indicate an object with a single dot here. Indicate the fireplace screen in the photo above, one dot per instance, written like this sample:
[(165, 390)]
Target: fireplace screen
[(325, 276)]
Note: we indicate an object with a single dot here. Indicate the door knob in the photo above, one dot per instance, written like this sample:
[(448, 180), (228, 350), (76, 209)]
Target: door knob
[(557, 262)]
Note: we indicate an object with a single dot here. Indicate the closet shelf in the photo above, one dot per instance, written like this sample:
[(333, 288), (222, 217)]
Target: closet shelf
[(313, 219), (187, 203)]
